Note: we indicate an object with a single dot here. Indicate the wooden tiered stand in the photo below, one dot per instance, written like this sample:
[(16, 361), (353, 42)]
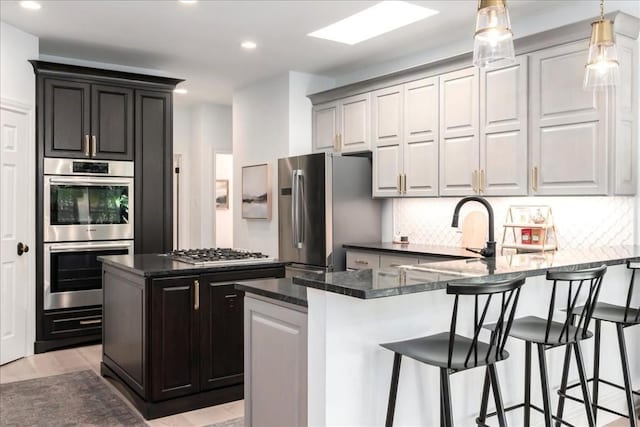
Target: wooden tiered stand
[(515, 223)]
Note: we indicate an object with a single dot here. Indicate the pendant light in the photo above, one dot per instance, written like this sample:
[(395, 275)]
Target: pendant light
[(493, 41), (602, 67)]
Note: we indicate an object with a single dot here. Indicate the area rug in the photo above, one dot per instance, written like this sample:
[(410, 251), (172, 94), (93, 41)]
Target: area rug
[(236, 422), (77, 398)]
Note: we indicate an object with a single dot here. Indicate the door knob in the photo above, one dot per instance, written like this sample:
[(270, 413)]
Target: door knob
[(22, 248)]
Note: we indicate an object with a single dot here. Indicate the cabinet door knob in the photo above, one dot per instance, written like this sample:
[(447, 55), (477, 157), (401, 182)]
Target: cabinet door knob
[(196, 295)]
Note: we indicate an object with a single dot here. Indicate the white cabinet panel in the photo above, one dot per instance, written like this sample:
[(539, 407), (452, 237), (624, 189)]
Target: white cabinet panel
[(420, 151), (325, 126), (355, 124), (421, 110), (571, 159), (459, 142), (458, 165), (503, 125), (625, 137), (362, 260), (568, 141), (275, 343), (387, 116), (387, 168), (459, 103)]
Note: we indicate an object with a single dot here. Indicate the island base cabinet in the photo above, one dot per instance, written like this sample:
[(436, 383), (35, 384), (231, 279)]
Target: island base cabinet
[(275, 363)]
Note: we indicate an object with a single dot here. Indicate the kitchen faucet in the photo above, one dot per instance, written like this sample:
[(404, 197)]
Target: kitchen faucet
[(489, 250)]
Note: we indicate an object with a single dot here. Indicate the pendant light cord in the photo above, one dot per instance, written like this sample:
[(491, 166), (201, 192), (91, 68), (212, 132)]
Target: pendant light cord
[(602, 10)]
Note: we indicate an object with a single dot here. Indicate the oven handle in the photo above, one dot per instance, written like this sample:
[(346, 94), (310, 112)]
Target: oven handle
[(90, 182), (70, 248)]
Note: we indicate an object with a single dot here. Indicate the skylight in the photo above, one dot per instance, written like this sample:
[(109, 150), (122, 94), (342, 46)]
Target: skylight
[(378, 19)]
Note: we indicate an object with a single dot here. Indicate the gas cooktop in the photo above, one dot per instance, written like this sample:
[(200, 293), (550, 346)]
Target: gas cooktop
[(219, 256)]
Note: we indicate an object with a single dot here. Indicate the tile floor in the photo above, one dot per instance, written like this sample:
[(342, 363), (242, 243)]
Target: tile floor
[(81, 358)]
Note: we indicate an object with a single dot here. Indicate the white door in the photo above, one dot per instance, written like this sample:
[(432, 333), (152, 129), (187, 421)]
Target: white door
[(15, 191)]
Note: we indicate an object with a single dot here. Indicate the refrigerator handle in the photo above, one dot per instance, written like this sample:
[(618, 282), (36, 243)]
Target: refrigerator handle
[(296, 208), (300, 221)]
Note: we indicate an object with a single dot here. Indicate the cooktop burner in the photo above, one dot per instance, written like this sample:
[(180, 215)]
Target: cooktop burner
[(219, 256)]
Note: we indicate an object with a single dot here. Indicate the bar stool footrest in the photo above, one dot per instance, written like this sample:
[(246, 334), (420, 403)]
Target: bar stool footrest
[(576, 399), (521, 405), (609, 383)]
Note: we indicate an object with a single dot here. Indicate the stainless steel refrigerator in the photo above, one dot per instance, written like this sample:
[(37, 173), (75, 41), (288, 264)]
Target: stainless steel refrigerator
[(324, 201)]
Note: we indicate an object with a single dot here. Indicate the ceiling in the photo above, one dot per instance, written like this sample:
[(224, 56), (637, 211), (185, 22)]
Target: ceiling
[(201, 42)]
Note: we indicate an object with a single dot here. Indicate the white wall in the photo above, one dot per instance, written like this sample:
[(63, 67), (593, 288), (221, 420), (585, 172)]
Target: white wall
[(17, 80), (199, 132), (271, 120), (260, 134), (224, 217)]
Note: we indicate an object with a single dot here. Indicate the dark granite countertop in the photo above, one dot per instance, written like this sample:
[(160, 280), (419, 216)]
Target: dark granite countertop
[(278, 289), (154, 265), (376, 283), (413, 249)]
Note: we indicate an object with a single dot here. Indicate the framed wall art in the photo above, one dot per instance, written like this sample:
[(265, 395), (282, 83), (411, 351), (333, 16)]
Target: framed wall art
[(256, 192)]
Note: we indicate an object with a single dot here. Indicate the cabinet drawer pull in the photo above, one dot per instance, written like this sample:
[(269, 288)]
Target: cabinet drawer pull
[(395, 265), (91, 322), (231, 296), (361, 262), (94, 145), (86, 145), (196, 295)]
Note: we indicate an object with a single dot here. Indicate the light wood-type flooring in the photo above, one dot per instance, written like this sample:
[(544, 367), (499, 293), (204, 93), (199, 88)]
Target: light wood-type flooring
[(82, 358)]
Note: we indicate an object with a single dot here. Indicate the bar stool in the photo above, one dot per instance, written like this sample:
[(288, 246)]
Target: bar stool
[(454, 353), (548, 334), (622, 317)]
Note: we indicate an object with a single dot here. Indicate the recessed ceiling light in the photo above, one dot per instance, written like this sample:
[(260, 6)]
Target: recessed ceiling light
[(188, 1), (378, 19), (180, 91), (33, 5), (249, 45)]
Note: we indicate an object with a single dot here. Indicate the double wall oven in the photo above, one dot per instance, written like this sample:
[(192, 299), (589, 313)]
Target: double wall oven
[(88, 212)]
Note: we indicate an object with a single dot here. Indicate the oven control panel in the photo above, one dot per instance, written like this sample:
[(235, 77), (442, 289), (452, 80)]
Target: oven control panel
[(91, 167)]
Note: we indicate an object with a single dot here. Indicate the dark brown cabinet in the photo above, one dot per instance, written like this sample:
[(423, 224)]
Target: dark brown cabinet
[(174, 337), (111, 122), (88, 121), (153, 173), (175, 343), (67, 118)]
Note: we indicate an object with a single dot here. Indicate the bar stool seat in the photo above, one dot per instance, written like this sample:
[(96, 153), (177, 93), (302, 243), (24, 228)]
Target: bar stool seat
[(534, 329), (615, 313), (434, 350)]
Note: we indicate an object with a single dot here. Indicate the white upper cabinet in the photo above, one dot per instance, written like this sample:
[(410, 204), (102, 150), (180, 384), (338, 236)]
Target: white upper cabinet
[(354, 123), (625, 128), (568, 141), (405, 139), (387, 114), (503, 130), (342, 126), (459, 139), (421, 138), (325, 126)]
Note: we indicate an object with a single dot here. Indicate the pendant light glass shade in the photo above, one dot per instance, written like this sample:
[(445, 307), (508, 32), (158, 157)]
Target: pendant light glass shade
[(493, 41), (602, 70)]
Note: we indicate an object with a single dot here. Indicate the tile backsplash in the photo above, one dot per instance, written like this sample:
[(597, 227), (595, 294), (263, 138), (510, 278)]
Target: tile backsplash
[(580, 221)]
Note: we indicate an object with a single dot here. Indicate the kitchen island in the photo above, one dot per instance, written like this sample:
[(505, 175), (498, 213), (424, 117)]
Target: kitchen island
[(348, 314), (173, 332)]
